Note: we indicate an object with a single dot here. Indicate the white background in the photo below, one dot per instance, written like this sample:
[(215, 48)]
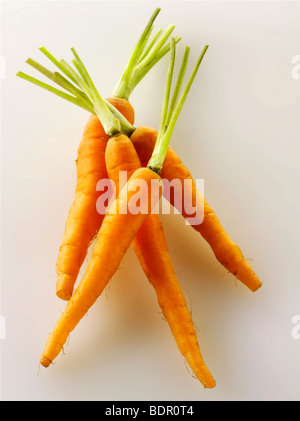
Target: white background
[(239, 130)]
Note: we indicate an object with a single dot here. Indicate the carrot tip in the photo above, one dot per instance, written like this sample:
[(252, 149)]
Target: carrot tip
[(63, 294), (256, 287), (210, 385), (206, 378), (45, 362)]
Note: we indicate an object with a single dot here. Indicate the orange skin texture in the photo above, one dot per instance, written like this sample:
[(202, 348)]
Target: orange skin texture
[(83, 221), (224, 248), (115, 236), (151, 248)]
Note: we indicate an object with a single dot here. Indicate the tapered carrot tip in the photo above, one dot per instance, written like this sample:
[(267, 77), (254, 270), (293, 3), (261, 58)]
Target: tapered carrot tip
[(206, 378), (45, 362), (247, 276), (64, 294), (64, 286), (210, 383), (257, 286)]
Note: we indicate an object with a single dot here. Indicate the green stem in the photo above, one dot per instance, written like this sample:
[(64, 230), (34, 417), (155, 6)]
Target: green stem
[(166, 99), (110, 124), (55, 91), (144, 57), (143, 45), (150, 45), (183, 96), (178, 84), (157, 154), (75, 76), (85, 95), (61, 81), (159, 56), (57, 63), (168, 122), (122, 90), (154, 51)]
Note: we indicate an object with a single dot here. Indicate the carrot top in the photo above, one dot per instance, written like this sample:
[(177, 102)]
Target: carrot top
[(144, 56), (171, 109)]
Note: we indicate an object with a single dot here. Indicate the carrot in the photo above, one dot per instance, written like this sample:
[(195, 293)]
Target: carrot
[(224, 248), (84, 221), (117, 233), (151, 248)]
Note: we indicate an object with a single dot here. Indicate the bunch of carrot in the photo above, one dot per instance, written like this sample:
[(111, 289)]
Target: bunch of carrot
[(111, 144)]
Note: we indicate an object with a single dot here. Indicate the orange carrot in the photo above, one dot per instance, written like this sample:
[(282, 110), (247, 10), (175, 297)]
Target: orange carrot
[(83, 220), (225, 250), (150, 246)]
